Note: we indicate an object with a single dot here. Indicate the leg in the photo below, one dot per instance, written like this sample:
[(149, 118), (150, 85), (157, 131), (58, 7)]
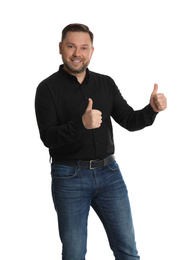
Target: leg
[(72, 206), (112, 206)]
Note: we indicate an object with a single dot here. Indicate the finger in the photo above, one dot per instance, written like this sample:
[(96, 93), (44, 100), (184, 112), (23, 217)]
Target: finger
[(155, 89), (90, 105), (159, 98), (96, 112)]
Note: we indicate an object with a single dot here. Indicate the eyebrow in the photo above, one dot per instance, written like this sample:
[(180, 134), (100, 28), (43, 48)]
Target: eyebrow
[(82, 44)]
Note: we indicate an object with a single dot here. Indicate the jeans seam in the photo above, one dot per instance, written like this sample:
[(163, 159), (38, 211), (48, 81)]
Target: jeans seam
[(108, 229)]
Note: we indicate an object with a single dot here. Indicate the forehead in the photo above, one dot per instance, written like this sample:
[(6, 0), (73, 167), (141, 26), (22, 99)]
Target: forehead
[(78, 38)]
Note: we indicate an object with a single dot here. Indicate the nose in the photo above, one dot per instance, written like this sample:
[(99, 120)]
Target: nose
[(76, 52)]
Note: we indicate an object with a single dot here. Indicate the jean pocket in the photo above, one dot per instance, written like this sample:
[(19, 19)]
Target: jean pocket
[(113, 166), (59, 171)]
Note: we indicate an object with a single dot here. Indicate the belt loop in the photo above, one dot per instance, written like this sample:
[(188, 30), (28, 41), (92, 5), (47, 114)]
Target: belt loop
[(78, 164), (105, 162)]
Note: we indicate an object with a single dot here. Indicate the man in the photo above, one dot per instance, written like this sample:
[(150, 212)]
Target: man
[(73, 109)]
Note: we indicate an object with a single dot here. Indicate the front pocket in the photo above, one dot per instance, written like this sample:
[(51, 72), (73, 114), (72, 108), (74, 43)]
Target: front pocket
[(113, 166), (62, 171)]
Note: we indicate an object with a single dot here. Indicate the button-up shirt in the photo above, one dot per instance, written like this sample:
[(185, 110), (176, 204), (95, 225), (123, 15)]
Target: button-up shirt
[(60, 104)]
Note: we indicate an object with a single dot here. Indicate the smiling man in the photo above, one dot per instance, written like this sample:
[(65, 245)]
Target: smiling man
[(74, 107)]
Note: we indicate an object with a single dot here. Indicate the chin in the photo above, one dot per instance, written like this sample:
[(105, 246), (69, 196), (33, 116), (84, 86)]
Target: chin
[(80, 70)]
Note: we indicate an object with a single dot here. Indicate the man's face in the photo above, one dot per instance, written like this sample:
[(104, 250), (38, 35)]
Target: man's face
[(76, 50)]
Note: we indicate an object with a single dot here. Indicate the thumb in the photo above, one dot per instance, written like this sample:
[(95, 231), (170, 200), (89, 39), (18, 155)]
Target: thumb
[(155, 89), (90, 105)]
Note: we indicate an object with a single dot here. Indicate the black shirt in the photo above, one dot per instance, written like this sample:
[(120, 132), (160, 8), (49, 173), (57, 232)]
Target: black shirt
[(60, 104)]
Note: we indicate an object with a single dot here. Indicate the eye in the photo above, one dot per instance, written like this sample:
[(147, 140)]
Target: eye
[(85, 48), (70, 47)]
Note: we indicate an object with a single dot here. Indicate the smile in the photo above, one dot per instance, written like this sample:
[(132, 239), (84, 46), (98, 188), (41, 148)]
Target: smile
[(76, 61)]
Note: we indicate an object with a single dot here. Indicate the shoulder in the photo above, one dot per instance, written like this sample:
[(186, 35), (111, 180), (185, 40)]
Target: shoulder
[(98, 75), (50, 79), (52, 82), (101, 77)]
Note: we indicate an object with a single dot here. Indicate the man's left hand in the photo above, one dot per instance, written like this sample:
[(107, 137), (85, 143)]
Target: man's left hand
[(158, 101)]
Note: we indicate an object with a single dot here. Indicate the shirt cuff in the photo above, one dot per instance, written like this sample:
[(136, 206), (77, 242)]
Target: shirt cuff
[(151, 111)]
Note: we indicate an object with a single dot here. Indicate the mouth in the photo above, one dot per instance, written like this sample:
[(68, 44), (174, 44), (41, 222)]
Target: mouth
[(76, 61)]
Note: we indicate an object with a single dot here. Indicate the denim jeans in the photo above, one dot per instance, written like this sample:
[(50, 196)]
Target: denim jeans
[(74, 190)]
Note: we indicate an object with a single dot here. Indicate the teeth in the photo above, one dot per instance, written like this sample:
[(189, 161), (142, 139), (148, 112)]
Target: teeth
[(77, 61)]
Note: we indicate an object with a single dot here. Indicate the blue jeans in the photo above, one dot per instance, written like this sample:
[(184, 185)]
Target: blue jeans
[(74, 190)]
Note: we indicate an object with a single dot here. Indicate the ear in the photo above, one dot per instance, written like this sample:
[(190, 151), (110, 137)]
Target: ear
[(60, 47), (92, 51)]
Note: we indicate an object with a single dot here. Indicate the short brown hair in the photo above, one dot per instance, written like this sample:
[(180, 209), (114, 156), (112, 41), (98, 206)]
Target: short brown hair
[(77, 27)]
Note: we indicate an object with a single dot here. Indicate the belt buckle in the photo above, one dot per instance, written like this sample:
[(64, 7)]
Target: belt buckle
[(92, 161), (91, 168)]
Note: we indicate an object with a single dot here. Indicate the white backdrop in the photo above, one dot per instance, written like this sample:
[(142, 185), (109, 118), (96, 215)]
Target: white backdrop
[(137, 43)]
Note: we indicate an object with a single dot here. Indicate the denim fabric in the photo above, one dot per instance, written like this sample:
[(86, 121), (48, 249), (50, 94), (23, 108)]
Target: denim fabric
[(74, 190)]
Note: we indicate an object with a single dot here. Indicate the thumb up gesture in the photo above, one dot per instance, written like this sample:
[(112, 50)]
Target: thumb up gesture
[(158, 101), (92, 118)]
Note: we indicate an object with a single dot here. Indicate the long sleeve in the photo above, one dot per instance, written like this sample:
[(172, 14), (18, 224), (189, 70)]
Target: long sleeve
[(131, 120), (53, 133)]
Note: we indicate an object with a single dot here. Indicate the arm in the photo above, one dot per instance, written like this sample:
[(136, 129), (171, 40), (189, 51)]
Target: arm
[(132, 120), (53, 133)]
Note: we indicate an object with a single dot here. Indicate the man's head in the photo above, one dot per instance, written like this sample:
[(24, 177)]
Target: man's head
[(76, 48)]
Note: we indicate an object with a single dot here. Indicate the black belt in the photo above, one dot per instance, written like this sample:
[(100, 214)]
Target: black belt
[(92, 164)]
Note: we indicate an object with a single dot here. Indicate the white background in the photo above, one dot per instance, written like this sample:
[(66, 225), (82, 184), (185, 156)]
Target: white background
[(137, 43)]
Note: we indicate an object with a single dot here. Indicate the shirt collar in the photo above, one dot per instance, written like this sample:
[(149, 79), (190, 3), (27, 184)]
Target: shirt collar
[(71, 77)]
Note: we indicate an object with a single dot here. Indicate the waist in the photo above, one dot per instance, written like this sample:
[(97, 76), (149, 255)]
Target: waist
[(92, 164)]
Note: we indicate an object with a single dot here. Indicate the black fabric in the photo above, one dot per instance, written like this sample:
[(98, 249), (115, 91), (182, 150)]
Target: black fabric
[(60, 103)]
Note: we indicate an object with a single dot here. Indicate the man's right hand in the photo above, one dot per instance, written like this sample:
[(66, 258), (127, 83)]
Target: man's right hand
[(92, 118)]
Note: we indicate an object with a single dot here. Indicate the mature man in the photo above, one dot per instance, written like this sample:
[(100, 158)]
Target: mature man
[(74, 107)]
